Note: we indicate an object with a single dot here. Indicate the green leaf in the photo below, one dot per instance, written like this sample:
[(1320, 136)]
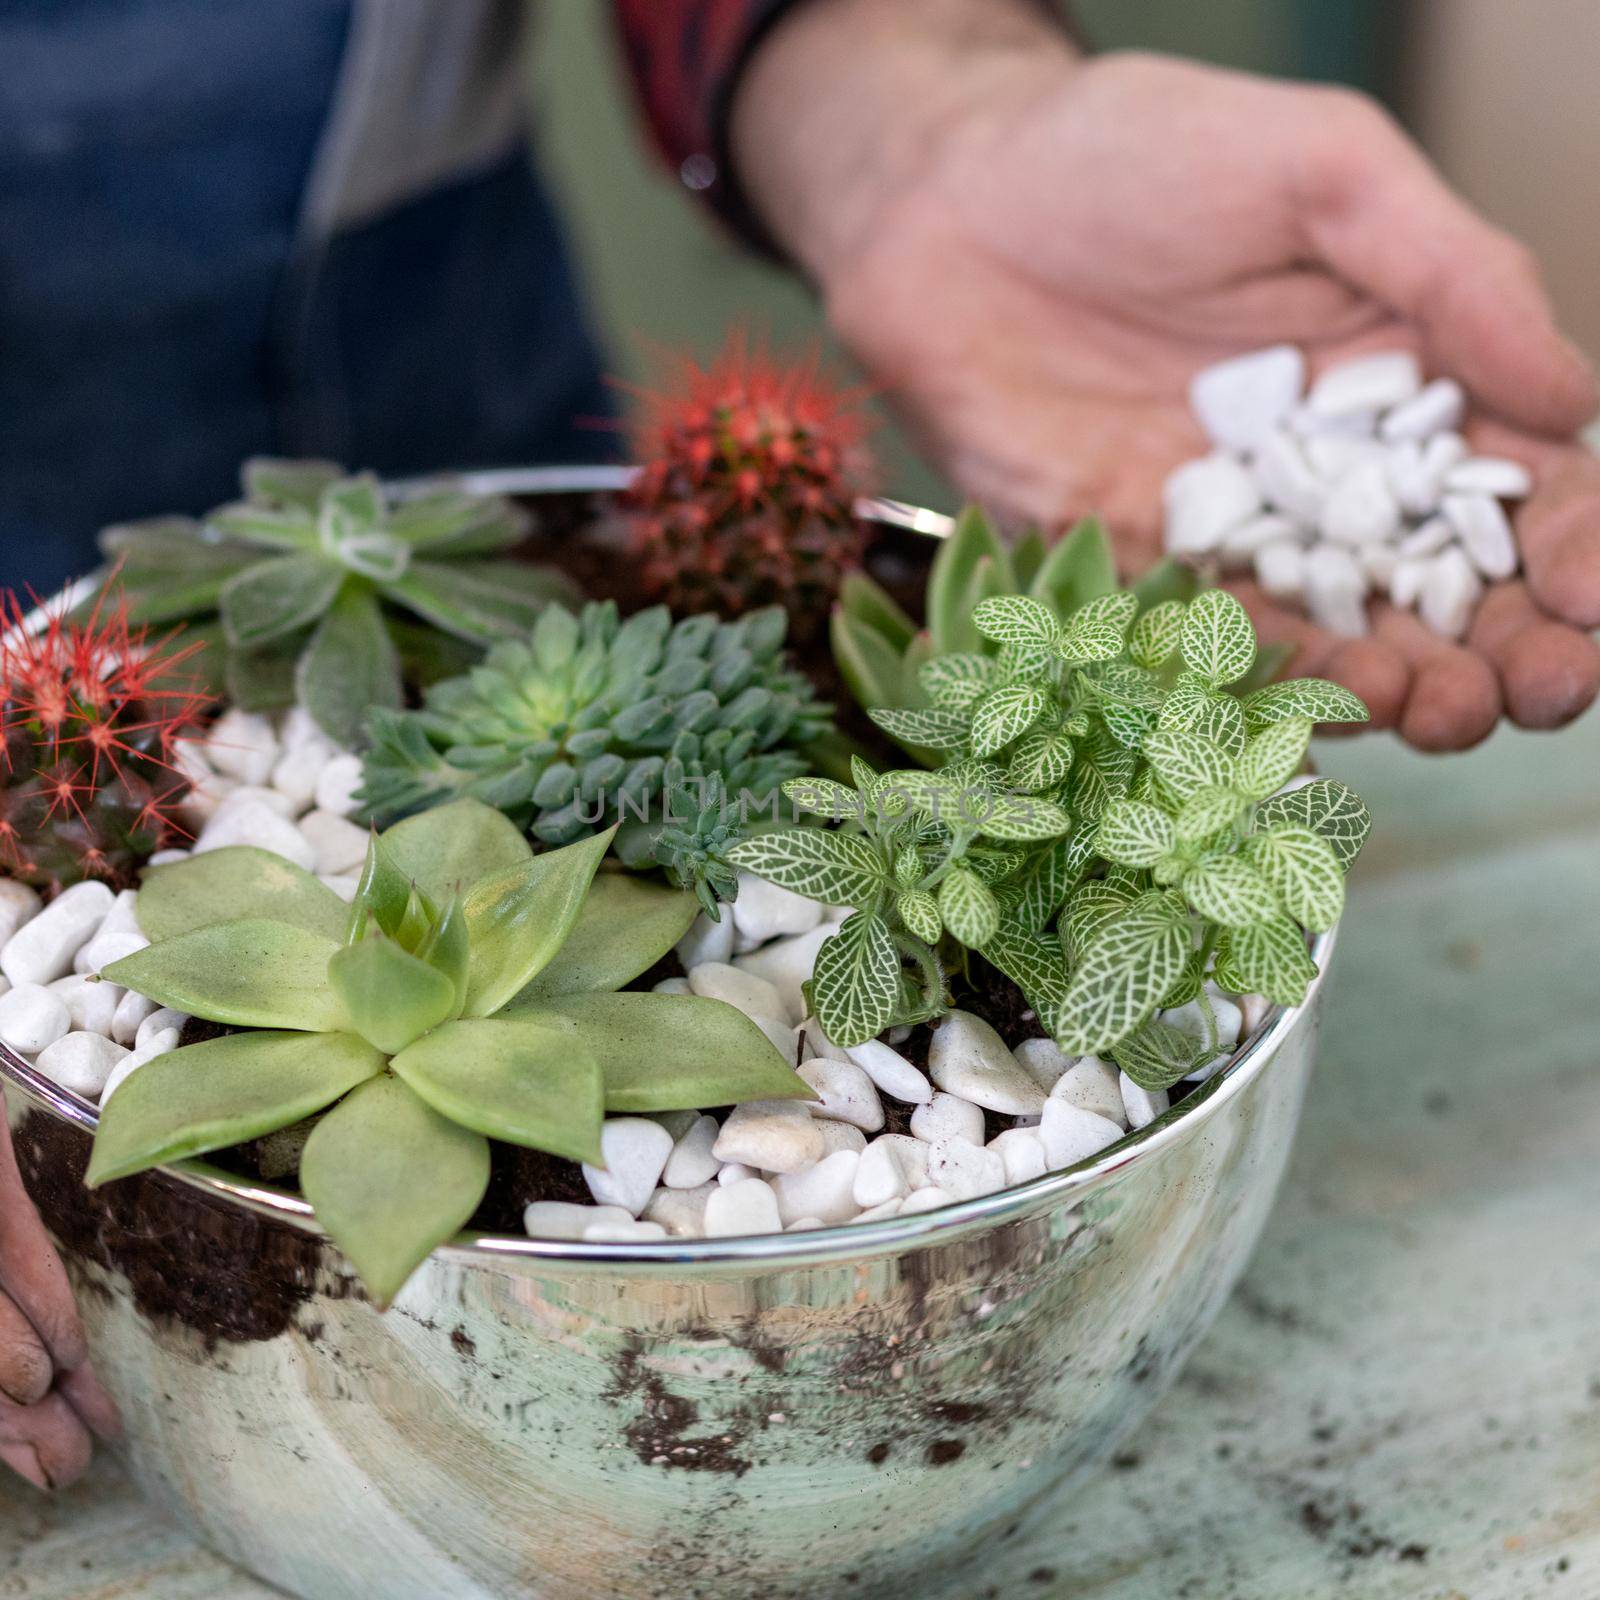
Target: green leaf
[(221, 1093), (868, 663), (968, 907), (957, 682), (276, 597), (390, 1180), (1041, 888), (264, 527), (383, 891), (1158, 1055), (1006, 714), (1304, 870), (1207, 812), (1327, 806), (1270, 958), (1123, 975), (1097, 631), (350, 667), (1022, 819), (1015, 619), (869, 602), (215, 885), (927, 728), (972, 542), (1217, 639), (1273, 757), (455, 846), (1035, 963), (252, 973), (678, 1052), (1168, 579), (823, 797), (920, 913), (829, 867), (392, 997), (1186, 762), (1156, 634), (518, 920), (446, 948), (1079, 568), (1134, 834), (1315, 698), (276, 481), (856, 980), (1095, 905), (1220, 719), (482, 601), (1230, 892), (530, 1080), (1040, 760)]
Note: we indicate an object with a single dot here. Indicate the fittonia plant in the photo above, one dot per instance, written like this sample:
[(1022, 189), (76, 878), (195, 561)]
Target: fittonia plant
[(1108, 827), (327, 586), (469, 993)]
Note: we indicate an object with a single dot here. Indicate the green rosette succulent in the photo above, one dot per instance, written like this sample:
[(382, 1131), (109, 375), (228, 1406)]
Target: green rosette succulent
[(662, 727), (329, 591), (470, 992)]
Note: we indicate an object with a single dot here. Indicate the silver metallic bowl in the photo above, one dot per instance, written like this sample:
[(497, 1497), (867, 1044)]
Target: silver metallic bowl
[(851, 1411)]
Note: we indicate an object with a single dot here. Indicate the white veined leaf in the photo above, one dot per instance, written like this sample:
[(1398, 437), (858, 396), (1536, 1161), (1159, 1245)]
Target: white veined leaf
[(1217, 639), (856, 981), (1094, 905), (908, 868), (1329, 807), (1184, 703), (1025, 819), (824, 798), (1122, 976), (1026, 663), (1154, 639), (1189, 983), (1303, 869), (920, 913), (1042, 888), (1315, 698), (968, 907), (1127, 685), (1273, 757), (1006, 714), (955, 681), (1220, 719), (1158, 1055), (1206, 813), (930, 727), (1126, 724), (1271, 959), (1134, 834), (1089, 641), (1035, 963), (1230, 892), (993, 864), (836, 869), (932, 794), (1015, 619), (1040, 760), (1115, 610), (1185, 762)]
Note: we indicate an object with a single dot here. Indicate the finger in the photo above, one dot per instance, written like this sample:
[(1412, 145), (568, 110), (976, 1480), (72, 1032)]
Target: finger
[(1377, 211), (47, 1443), (82, 1390), (1455, 698), (31, 1271), (1549, 671), (1558, 529), (26, 1370), (1371, 669)]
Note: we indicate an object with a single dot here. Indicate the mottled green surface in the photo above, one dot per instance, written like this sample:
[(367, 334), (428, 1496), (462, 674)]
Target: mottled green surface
[(1403, 1400)]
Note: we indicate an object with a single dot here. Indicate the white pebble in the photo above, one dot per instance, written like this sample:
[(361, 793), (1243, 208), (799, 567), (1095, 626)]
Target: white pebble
[(736, 1172), (158, 1022), (1335, 591), (682, 1212), (32, 1018), (18, 904), (1405, 582), (892, 1073), (345, 887), (1377, 563), (677, 1123), (562, 1219), (1287, 480), (774, 1135), (671, 986), (755, 997), (167, 858), (118, 936), (968, 1058), (1485, 532), (1435, 408), (336, 787), (891, 1166), (1366, 384), (1239, 548), (924, 1199), (948, 1116), (1451, 588), (748, 1206), (1491, 475), (1191, 1019), (1043, 1061), (1307, 424), (1281, 570), (814, 1042), (295, 776), (1022, 1151), (1071, 1134), (91, 1003), (847, 1093), (840, 1136), (825, 1191), (339, 845), (81, 1062), (804, 1225), (1415, 484), (1091, 1085), (132, 1009), (254, 822), (130, 1063), (628, 1231), (1427, 539), (1143, 1105), (965, 1170), (764, 911), (691, 1162), (1332, 455), (1360, 508), (207, 787), (1204, 500), (706, 941), (786, 964), (1240, 400), (634, 1150), (243, 746), (889, 1208), (42, 949)]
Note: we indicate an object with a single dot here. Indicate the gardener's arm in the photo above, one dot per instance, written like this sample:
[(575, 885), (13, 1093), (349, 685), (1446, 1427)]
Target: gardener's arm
[(1033, 252), (50, 1402)]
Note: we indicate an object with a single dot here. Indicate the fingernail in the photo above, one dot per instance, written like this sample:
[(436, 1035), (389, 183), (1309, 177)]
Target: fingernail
[(23, 1460)]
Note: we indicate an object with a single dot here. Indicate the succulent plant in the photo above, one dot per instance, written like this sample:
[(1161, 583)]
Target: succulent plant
[(91, 712), (746, 489), (592, 720), (1109, 827), (320, 581), (469, 993)]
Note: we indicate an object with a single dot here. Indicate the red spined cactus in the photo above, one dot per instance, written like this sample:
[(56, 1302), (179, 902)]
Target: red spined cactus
[(749, 472), (90, 715)]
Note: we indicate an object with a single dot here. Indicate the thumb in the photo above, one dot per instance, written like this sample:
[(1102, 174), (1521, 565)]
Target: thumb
[(1374, 208)]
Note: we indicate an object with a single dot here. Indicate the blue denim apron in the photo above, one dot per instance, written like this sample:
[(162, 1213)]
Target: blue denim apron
[(161, 318)]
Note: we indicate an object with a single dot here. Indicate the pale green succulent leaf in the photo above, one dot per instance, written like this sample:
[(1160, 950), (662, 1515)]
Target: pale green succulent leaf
[(275, 597), (1304, 870), (452, 847), (214, 885), (1329, 807), (856, 980), (1079, 567), (391, 996), (350, 667), (291, 484), (383, 891), (869, 602), (1217, 639), (869, 664), (973, 545)]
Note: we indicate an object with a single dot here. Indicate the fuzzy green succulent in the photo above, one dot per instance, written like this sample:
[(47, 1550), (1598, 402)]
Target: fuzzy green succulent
[(330, 592), (469, 993), (648, 723), (1108, 826)]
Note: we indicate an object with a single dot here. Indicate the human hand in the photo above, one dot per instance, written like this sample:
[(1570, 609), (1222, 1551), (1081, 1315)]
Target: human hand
[(50, 1401), (1035, 282)]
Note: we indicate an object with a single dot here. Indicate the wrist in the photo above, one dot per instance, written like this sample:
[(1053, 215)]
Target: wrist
[(847, 103)]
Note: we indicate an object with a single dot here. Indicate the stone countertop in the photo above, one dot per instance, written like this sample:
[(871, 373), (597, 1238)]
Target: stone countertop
[(1402, 1401)]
